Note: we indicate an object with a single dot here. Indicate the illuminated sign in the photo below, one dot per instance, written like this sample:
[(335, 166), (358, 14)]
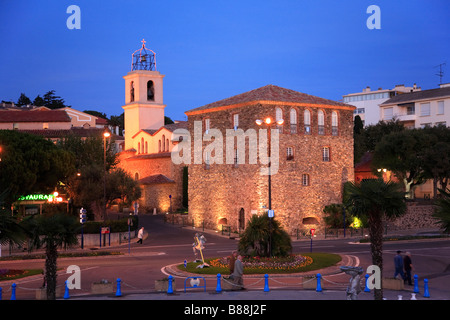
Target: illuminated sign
[(41, 197)]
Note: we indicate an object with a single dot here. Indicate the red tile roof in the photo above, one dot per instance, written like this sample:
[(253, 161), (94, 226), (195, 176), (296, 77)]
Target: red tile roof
[(34, 116), (269, 93)]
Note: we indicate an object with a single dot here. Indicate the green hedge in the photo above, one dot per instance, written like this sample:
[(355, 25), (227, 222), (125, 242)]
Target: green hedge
[(114, 225)]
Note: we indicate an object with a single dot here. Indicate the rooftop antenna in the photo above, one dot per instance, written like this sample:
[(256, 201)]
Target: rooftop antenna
[(441, 72)]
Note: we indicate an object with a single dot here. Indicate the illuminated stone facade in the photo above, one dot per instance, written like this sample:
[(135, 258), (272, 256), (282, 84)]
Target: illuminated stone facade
[(315, 159)]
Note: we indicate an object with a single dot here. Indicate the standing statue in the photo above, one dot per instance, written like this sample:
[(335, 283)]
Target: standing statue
[(355, 281), (199, 245)]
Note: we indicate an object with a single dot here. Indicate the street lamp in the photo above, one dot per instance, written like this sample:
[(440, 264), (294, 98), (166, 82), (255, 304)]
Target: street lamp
[(106, 134), (268, 122)]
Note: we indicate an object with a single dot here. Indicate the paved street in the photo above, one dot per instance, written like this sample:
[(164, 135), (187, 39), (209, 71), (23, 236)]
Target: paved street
[(167, 245)]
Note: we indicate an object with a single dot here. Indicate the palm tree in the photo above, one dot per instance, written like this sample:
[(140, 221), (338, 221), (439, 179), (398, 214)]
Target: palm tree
[(255, 239), (51, 232), (10, 230), (375, 199), (442, 212)]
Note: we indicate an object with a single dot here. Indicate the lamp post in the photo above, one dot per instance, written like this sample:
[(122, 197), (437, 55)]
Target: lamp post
[(268, 122), (106, 134)]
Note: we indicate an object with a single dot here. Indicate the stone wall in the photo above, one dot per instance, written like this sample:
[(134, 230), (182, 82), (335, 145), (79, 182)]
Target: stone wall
[(230, 194), (417, 216), (155, 195)]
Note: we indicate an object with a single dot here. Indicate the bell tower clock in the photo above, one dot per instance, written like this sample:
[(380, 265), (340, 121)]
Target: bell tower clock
[(144, 107)]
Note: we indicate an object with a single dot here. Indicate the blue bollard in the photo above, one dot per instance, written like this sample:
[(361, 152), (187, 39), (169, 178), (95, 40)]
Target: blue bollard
[(13, 292), (218, 287), (0, 293), (319, 287), (266, 283), (366, 289), (169, 288), (66, 292), (426, 293), (416, 284), (118, 291)]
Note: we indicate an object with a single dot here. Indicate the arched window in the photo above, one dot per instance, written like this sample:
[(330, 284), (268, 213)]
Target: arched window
[(150, 91), (132, 91), (146, 147), (167, 145), (159, 146), (142, 145), (321, 122), (307, 120), (163, 148), (139, 148), (334, 123), (279, 116), (293, 120), (136, 176)]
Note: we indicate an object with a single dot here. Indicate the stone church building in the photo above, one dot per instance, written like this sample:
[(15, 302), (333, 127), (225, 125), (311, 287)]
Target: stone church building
[(312, 137)]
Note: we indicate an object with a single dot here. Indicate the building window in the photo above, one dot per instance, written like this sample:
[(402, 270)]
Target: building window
[(289, 154), (279, 116), (159, 146), (167, 145), (307, 120), (388, 113), (207, 122), (440, 109), (293, 120), (163, 141), (235, 121), (142, 145), (305, 179), (321, 122), (136, 176), (146, 147), (139, 148), (326, 154), (150, 91), (425, 109), (334, 123)]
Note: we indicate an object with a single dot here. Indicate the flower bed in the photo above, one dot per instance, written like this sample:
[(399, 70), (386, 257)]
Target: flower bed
[(295, 263), (291, 263), (10, 274)]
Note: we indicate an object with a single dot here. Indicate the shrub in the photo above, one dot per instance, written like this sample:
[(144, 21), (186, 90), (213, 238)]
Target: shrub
[(256, 236)]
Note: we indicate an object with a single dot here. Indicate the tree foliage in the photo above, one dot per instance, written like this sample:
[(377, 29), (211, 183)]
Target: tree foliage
[(31, 164), (442, 211), (255, 239)]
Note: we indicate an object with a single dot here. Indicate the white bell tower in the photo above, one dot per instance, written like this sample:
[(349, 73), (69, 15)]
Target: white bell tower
[(144, 107)]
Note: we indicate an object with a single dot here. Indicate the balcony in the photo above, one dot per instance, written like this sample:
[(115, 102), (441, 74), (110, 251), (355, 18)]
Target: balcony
[(404, 117)]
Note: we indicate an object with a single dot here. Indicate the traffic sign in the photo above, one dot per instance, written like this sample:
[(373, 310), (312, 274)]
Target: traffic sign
[(271, 213)]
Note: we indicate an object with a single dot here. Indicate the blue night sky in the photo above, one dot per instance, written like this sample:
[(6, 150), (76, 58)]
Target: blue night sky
[(213, 49)]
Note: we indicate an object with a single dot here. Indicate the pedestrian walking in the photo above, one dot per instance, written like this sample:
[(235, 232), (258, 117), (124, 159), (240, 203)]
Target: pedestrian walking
[(140, 235), (398, 264), (407, 262)]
